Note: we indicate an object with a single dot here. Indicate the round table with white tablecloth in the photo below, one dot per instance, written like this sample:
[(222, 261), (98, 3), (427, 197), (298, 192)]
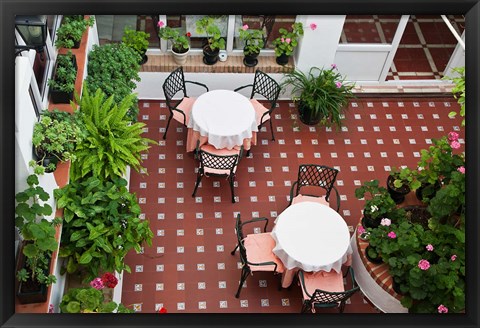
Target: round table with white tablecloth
[(312, 237), (224, 118)]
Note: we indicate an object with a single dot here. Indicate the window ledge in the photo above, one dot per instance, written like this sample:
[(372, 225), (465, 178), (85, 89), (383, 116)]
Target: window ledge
[(234, 64)]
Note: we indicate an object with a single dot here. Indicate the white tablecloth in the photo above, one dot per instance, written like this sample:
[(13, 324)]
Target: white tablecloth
[(225, 117), (311, 237)]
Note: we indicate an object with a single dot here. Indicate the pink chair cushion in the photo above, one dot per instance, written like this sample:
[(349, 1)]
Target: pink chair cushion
[(302, 198), (259, 248), (329, 281), (185, 106), (222, 152), (259, 110), (348, 262)]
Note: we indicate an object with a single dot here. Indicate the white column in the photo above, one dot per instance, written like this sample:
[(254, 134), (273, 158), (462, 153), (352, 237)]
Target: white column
[(318, 47)]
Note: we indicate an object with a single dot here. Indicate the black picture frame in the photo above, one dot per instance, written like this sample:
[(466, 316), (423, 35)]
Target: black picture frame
[(9, 8)]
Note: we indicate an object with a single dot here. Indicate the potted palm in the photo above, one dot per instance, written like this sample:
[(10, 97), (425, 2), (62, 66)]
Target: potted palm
[(138, 41), (215, 42), (39, 242), (253, 40), (70, 32), (287, 42), (180, 44), (62, 85), (322, 94)]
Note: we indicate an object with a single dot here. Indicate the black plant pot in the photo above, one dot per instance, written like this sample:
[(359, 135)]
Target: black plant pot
[(307, 116), (282, 59), (396, 287), (210, 57), (251, 60), (375, 260), (48, 159), (369, 222), (31, 292), (427, 190), (144, 58), (59, 96), (397, 194)]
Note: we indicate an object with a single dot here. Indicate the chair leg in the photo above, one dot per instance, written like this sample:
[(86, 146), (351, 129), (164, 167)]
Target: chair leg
[(168, 124), (342, 306), (306, 307), (233, 252), (242, 280), (199, 178), (271, 129), (231, 188)]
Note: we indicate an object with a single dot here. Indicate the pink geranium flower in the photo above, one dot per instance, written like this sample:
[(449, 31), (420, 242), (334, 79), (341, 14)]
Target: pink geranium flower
[(334, 66), (386, 222), (453, 258), (461, 169), (338, 84), (161, 24), (97, 283), (360, 229), (455, 144), (245, 27), (429, 247), (392, 235), (442, 309), (313, 26), (423, 264), (282, 39), (288, 40), (453, 136)]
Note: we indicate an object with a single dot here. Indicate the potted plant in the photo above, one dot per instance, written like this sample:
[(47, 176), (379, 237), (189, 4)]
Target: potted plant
[(321, 95), (253, 40), (287, 42), (215, 42), (39, 242), (399, 183), (101, 225), (180, 44), (138, 41), (379, 205), (62, 84), (70, 32), (54, 139), (89, 300)]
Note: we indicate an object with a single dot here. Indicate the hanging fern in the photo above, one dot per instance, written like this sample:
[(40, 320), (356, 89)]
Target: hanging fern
[(112, 141)]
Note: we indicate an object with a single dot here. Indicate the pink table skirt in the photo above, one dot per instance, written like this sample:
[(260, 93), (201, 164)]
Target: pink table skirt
[(194, 136)]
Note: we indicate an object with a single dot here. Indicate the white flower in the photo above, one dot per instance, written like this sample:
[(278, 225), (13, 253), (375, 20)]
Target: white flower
[(373, 208), (385, 222), (420, 168)]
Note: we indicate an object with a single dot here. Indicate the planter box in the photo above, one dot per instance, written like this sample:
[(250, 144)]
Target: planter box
[(33, 292), (61, 97)]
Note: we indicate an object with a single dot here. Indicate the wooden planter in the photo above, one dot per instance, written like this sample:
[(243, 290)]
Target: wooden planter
[(58, 96)]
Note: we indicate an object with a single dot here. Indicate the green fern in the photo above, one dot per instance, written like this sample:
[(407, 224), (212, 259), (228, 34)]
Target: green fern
[(112, 141)]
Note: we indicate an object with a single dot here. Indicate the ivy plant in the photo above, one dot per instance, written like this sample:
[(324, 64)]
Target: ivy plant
[(112, 142), (101, 225), (114, 68), (89, 300)]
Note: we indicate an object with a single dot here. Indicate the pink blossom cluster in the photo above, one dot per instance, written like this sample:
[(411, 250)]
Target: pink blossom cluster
[(160, 24), (245, 27), (392, 234), (287, 40), (429, 247), (442, 309), (453, 258), (360, 229), (423, 264), (453, 139), (97, 283)]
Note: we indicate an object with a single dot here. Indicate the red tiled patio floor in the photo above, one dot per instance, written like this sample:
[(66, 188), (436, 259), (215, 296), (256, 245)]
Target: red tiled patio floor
[(190, 269)]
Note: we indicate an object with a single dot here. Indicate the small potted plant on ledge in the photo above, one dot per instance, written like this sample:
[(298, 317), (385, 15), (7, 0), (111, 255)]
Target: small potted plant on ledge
[(89, 300), (138, 41), (287, 42), (54, 139), (62, 85), (70, 32), (254, 43), (215, 42), (180, 44), (321, 94), (39, 242)]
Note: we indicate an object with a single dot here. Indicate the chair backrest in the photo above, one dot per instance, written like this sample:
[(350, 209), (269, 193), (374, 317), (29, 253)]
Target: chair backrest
[(266, 86), (320, 297), (313, 175), (217, 162), (174, 83)]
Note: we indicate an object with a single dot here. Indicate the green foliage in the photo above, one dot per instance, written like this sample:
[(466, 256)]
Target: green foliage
[(179, 42), (101, 225), (322, 91), (71, 30), (114, 69), (379, 203), (112, 141), (458, 91), (65, 73), (405, 177), (288, 40), (55, 134), (37, 232), (206, 25), (137, 40), (89, 300), (253, 40), (449, 200)]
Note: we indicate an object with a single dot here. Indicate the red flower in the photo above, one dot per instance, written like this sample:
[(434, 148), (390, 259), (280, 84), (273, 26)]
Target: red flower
[(109, 280), (162, 310), (188, 34)]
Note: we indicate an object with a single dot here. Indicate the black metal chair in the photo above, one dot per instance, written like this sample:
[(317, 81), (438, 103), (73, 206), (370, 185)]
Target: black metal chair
[(220, 163), (179, 108), (312, 178), (314, 297), (267, 87), (258, 246)]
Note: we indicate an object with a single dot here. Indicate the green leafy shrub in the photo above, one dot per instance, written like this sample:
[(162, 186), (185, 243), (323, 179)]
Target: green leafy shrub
[(71, 30), (378, 204), (458, 91), (37, 232), (112, 141), (253, 40), (137, 40), (288, 40), (89, 300), (101, 225), (65, 73), (114, 68), (207, 25)]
